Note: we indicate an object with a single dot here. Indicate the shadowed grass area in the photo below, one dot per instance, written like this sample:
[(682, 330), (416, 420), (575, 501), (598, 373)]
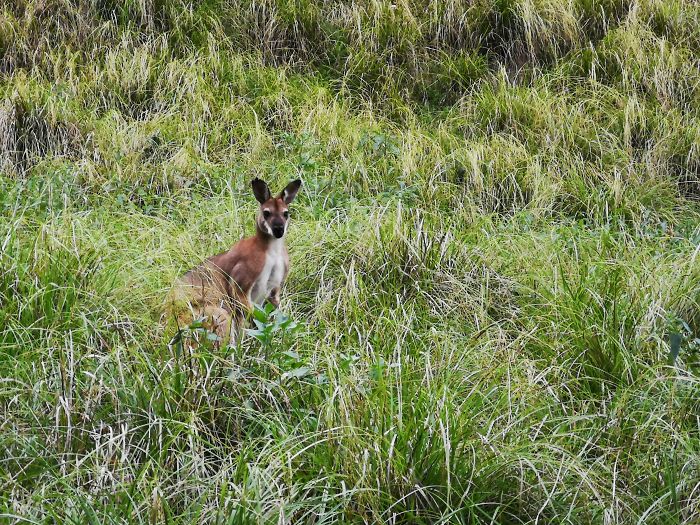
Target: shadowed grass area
[(493, 310)]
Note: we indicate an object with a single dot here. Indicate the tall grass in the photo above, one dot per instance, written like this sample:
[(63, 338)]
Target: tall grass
[(495, 261)]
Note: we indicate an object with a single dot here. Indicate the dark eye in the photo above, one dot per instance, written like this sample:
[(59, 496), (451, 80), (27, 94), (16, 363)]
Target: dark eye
[(286, 215), (266, 214)]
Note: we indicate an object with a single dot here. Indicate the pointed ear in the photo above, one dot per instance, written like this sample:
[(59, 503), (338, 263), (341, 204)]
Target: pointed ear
[(290, 191), (260, 190)]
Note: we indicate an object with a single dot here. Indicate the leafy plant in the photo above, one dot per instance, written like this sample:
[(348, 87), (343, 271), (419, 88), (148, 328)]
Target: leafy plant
[(275, 332)]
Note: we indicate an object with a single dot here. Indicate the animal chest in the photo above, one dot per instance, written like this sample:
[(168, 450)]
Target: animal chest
[(271, 275)]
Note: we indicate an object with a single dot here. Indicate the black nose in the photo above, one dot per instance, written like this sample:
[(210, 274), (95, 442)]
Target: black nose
[(278, 231)]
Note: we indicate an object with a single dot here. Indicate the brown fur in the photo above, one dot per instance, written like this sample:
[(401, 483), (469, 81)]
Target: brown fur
[(219, 290)]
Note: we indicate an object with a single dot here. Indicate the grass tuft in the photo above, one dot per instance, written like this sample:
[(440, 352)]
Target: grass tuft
[(493, 310)]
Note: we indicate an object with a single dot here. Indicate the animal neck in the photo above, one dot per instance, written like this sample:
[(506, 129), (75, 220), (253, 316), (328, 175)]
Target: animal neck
[(269, 241)]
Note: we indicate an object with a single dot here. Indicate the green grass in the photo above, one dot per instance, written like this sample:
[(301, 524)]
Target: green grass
[(495, 261)]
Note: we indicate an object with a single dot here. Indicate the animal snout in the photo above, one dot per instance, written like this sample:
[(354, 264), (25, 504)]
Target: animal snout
[(278, 230)]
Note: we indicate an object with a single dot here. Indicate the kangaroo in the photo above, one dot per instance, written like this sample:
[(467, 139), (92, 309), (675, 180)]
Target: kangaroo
[(223, 288)]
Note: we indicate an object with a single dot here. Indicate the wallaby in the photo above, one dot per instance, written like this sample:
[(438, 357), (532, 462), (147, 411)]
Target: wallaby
[(223, 288)]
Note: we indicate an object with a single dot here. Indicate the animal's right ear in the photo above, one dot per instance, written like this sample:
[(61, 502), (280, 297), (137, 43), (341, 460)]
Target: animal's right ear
[(260, 190)]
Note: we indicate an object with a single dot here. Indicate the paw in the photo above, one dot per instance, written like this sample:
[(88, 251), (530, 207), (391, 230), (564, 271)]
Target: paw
[(274, 301)]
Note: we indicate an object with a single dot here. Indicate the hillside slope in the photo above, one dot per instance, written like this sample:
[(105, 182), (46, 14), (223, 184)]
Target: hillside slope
[(495, 261)]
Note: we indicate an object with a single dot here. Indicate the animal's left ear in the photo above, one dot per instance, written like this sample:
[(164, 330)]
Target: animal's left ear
[(290, 191)]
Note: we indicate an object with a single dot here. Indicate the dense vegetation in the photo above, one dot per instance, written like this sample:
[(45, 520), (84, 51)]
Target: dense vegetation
[(495, 261)]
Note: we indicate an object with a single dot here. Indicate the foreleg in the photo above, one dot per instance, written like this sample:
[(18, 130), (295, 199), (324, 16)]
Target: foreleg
[(274, 298)]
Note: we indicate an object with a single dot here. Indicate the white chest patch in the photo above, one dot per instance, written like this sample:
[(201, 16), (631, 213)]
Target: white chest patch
[(271, 275)]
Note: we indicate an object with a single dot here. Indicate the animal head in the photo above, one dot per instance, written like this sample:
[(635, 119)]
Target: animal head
[(273, 216)]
